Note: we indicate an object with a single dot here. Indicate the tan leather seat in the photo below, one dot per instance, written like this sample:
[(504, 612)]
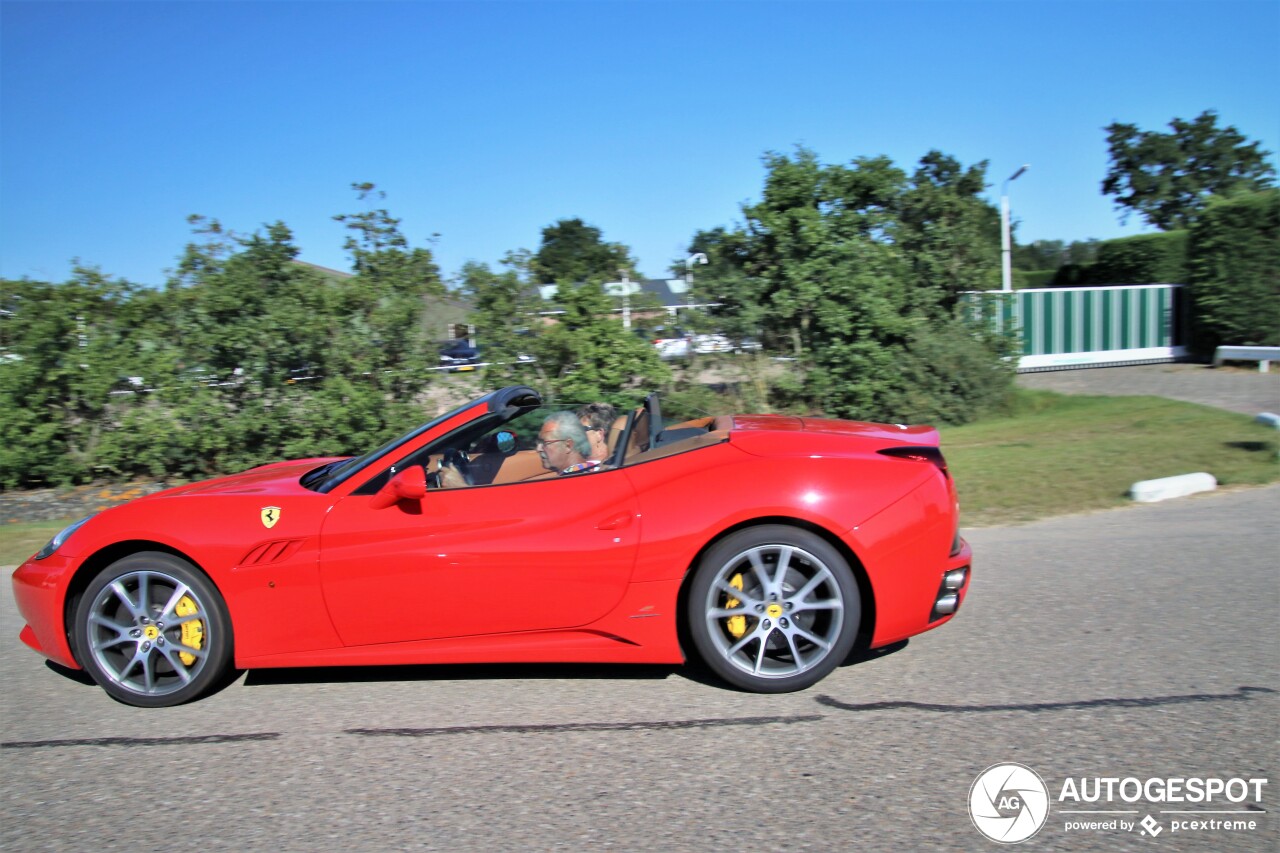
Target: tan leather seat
[(615, 433)]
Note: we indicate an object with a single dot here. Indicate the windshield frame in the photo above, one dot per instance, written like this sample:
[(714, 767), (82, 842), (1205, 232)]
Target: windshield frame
[(498, 401)]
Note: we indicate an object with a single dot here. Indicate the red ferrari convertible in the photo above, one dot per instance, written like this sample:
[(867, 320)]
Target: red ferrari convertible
[(765, 545)]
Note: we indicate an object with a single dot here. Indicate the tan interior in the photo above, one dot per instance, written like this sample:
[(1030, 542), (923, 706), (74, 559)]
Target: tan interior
[(616, 431), (704, 440), (492, 469)]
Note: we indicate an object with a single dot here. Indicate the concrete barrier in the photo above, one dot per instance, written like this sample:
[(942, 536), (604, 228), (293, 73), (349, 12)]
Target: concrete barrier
[(1150, 491), (1263, 355)]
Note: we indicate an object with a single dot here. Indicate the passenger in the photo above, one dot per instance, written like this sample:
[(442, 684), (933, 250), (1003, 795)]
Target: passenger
[(597, 419), (564, 446)]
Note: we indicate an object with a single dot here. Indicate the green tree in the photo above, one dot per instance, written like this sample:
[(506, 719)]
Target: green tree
[(1051, 254), (1039, 255), (244, 357), (818, 232), (857, 266), (1168, 178), (68, 350), (383, 305), (573, 251), (505, 313), (725, 284), (254, 314), (588, 355), (948, 232)]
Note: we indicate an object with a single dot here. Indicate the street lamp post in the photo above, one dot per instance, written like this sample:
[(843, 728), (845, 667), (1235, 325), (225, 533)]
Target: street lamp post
[(626, 300), (1006, 242), (695, 258)]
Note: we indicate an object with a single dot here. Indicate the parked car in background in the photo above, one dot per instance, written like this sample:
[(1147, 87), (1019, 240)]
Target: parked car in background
[(706, 344), (669, 341), (681, 344), (459, 355), (672, 347)]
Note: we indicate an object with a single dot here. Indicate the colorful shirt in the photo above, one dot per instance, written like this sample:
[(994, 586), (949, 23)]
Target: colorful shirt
[(589, 465)]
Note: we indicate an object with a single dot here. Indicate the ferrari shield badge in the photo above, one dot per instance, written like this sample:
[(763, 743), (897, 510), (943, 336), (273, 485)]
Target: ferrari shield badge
[(270, 515)]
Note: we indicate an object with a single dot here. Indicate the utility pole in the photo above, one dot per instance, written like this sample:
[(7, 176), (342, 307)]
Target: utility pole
[(1006, 241), (626, 300), (695, 258)]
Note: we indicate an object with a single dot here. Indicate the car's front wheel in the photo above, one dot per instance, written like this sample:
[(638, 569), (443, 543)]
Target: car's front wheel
[(153, 631), (773, 609)]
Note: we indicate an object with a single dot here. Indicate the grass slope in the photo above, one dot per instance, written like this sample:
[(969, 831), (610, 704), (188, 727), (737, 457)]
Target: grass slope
[(20, 541), (1056, 454)]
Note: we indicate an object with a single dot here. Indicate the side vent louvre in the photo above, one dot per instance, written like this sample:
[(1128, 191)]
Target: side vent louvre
[(270, 552)]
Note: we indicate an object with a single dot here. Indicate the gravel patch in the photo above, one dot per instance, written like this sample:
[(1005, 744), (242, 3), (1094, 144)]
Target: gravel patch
[(49, 504), (1234, 389)]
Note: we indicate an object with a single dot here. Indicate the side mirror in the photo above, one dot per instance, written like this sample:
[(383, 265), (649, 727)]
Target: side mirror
[(407, 485), (506, 441)]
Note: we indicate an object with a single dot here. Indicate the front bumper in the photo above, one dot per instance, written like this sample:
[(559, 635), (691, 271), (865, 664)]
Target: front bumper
[(39, 588)]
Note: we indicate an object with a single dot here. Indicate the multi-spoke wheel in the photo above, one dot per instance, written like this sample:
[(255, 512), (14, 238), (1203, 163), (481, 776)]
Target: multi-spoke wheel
[(773, 609), (152, 630)]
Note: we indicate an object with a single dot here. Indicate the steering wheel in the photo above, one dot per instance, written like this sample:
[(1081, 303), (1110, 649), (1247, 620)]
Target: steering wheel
[(458, 461)]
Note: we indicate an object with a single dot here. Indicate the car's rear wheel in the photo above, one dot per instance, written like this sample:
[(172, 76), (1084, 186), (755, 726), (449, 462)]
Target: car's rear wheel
[(153, 631), (773, 609)]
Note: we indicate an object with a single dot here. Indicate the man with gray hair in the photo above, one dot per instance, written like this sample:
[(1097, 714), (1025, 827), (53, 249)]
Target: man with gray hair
[(563, 445)]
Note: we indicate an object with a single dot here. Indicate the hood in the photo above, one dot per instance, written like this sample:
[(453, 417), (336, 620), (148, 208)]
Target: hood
[(276, 477)]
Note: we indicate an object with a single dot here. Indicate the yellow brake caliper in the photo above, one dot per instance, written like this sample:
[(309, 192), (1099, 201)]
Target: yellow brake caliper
[(737, 625), (192, 632)]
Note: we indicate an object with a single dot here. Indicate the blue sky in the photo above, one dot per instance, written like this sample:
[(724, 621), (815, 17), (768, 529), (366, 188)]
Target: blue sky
[(486, 121)]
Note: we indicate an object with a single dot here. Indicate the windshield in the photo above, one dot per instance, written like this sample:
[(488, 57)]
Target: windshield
[(328, 476), (627, 431)]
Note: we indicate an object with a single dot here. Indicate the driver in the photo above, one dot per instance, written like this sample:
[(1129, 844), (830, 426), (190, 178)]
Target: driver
[(563, 445)]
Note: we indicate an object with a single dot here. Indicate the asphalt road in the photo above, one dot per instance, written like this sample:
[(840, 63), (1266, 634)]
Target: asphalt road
[(1138, 642)]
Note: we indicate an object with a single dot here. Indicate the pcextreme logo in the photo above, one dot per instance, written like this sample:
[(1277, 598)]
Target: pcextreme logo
[(1009, 803)]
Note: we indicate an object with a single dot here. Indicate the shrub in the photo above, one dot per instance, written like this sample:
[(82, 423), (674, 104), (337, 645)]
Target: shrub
[(1235, 272), (952, 373), (1143, 259), (1026, 279), (948, 372)]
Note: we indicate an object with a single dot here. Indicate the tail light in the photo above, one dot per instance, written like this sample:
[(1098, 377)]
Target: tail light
[(933, 456), (919, 454)]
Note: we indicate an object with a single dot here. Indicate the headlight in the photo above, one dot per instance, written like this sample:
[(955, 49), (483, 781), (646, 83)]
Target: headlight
[(56, 542)]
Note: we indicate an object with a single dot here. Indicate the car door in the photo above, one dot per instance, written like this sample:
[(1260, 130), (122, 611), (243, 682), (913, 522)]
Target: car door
[(546, 554)]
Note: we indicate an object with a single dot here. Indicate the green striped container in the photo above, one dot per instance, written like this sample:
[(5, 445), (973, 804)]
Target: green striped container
[(1086, 326)]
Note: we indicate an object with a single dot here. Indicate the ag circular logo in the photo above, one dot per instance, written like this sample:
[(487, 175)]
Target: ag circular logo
[(1008, 803)]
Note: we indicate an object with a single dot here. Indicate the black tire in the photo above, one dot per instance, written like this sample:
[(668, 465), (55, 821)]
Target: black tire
[(153, 631), (794, 619)]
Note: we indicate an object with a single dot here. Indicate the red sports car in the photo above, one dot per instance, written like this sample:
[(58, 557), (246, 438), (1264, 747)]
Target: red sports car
[(767, 545)]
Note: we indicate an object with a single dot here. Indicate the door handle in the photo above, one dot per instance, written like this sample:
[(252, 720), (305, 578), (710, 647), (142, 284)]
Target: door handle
[(617, 522)]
